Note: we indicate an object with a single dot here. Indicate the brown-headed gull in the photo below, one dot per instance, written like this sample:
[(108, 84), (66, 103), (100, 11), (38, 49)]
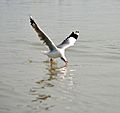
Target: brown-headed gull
[(55, 51)]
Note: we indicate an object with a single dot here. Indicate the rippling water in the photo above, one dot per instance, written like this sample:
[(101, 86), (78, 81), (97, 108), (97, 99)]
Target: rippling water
[(91, 82)]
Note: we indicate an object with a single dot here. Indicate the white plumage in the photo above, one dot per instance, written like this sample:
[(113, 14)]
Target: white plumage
[(55, 51)]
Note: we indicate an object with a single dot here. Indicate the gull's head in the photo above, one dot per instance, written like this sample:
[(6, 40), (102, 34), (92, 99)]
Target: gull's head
[(77, 33)]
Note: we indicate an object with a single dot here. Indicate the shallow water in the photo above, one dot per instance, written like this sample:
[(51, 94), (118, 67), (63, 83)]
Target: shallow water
[(90, 83)]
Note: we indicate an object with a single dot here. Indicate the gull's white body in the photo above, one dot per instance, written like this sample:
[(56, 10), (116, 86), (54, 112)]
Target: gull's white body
[(55, 51), (54, 54)]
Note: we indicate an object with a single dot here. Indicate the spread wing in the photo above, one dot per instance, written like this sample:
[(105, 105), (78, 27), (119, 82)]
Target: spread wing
[(69, 41), (42, 35)]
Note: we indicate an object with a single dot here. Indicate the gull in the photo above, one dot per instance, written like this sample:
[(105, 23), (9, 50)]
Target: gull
[(55, 51)]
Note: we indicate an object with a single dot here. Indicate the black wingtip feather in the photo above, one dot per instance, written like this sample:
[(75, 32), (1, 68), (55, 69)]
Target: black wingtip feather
[(73, 35), (32, 21)]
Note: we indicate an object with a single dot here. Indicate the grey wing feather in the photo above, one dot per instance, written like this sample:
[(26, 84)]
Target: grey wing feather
[(42, 35), (69, 41), (64, 44)]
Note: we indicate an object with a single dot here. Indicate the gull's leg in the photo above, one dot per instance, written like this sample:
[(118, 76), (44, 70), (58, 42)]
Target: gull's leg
[(66, 62), (51, 60), (52, 63)]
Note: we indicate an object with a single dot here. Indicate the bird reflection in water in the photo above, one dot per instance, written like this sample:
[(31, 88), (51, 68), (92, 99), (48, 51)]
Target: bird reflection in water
[(54, 71), (40, 90)]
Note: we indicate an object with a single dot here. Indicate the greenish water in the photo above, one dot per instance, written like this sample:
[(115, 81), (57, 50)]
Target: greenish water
[(90, 83)]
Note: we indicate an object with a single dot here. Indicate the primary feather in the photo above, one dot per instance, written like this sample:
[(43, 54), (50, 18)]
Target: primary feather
[(42, 35)]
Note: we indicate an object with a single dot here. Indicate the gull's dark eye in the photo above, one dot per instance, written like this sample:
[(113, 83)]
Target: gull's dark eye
[(76, 31)]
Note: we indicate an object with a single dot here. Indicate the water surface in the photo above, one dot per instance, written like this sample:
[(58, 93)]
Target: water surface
[(90, 83)]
